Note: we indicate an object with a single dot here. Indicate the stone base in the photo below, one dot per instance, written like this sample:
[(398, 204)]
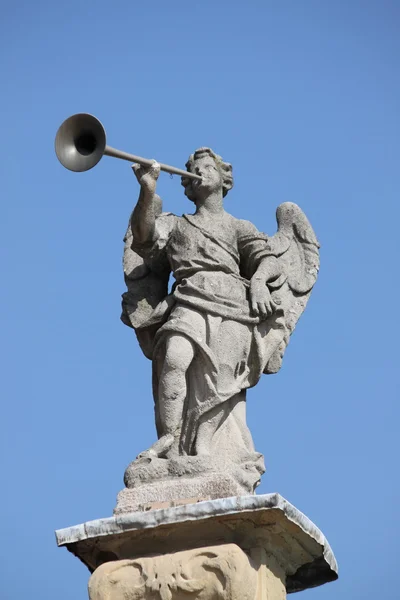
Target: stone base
[(163, 481), (173, 492), (276, 549)]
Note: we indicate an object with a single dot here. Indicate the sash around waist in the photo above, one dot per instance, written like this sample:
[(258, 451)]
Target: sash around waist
[(216, 292)]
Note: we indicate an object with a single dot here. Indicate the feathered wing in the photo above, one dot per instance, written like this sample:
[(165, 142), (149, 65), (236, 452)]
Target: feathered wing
[(147, 289), (297, 249)]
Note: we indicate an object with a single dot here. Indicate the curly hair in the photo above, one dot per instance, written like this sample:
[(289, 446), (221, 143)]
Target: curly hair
[(224, 168)]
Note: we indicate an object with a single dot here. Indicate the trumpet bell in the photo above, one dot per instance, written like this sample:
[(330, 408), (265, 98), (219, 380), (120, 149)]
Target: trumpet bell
[(80, 142)]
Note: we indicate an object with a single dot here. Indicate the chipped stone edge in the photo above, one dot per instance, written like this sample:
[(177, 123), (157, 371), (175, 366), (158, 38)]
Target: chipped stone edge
[(193, 512)]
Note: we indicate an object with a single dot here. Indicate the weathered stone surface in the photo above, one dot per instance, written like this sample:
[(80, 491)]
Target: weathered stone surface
[(153, 479), (177, 490), (254, 523), (227, 319), (271, 576), (237, 296), (222, 572)]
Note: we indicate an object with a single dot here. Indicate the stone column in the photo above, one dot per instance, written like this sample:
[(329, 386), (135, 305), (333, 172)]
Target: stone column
[(223, 572)]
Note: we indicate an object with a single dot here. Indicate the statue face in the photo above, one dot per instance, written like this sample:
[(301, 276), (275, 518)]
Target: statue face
[(212, 181)]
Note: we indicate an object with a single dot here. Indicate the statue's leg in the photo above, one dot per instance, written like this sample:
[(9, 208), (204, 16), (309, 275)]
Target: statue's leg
[(172, 386), (223, 429)]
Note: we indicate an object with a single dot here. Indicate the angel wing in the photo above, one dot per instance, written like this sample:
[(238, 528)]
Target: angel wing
[(297, 249), (146, 301)]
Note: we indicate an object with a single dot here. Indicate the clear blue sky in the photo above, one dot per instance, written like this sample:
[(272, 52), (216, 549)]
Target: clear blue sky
[(303, 98)]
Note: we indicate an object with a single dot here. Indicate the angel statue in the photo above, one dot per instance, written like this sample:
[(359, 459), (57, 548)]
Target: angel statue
[(226, 319)]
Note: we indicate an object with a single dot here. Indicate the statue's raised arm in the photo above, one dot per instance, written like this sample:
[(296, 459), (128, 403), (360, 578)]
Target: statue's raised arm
[(143, 219), (146, 269)]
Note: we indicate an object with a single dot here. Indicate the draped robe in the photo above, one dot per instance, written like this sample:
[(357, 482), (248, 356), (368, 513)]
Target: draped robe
[(209, 305)]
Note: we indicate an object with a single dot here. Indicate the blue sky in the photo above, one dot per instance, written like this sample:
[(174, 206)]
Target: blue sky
[(303, 98)]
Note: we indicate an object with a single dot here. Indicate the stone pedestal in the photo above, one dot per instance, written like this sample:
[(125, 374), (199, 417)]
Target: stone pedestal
[(175, 480), (240, 548)]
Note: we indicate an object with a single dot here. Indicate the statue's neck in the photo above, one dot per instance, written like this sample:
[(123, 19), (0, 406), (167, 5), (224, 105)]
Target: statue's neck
[(213, 205)]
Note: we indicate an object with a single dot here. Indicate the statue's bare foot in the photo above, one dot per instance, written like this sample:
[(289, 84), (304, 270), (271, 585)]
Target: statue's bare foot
[(159, 449)]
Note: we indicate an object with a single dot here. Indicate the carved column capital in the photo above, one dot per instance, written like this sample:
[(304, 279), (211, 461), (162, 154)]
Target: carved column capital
[(222, 572)]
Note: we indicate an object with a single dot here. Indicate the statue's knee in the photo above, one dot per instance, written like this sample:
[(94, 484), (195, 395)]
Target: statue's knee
[(179, 353)]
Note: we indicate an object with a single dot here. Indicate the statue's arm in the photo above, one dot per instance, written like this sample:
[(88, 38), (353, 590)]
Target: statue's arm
[(259, 265), (260, 298), (148, 206), (267, 270)]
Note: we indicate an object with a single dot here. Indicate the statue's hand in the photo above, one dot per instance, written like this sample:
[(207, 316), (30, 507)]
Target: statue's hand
[(147, 176), (261, 302)]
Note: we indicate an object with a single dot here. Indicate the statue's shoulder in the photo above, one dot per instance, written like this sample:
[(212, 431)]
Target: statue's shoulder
[(247, 229), (167, 217), (235, 223), (165, 223)]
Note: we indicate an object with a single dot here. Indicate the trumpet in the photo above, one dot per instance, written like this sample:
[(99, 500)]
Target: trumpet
[(81, 142)]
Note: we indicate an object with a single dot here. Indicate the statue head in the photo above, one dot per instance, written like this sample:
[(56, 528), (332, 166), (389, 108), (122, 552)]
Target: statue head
[(216, 174)]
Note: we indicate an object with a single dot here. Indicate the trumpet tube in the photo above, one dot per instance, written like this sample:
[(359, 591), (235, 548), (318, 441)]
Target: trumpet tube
[(81, 143), (146, 162)]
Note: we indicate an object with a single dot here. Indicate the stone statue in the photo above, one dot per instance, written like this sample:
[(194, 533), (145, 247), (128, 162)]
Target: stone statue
[(225, 321), (188, 524)]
